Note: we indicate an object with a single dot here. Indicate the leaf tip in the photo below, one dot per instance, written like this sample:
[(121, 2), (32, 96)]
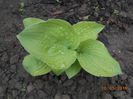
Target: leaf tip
[(102, 26), (69, 77), (120, 72), (17, 36)]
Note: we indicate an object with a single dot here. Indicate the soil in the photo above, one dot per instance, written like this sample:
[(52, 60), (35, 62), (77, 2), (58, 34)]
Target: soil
[(16, 83)]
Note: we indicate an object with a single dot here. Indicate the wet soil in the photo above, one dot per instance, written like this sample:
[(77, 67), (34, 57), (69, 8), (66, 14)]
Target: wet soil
[(16, 83)]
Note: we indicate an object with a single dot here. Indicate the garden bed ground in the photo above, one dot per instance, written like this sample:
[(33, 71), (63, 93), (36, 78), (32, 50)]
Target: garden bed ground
[(15, 83)]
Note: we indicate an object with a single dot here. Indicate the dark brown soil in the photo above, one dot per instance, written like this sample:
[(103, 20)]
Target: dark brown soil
[(15, 83)]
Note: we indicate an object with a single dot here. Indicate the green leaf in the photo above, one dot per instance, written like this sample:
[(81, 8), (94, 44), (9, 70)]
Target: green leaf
[(73, 70), (68, 34), (53, 43), (88, 30), (34, 66), (96, 60), (61, 57), (31, 21)]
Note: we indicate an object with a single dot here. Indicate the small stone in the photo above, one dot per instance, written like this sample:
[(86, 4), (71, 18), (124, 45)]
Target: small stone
[(124, 76), (107, 96), (85, 17), (58, 96), (11, 6), (68, 83), (14, 59), (30, 87), (82, 9), (96, 14), (65, 97)]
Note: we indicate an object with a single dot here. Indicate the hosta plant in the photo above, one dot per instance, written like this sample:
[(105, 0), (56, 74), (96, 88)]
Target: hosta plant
[(57, 46)]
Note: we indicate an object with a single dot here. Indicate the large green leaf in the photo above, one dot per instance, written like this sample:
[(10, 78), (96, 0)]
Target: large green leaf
[(96, 60), (61, 57), (73, 70), (31, 21), (34, 66), (53, 43), (68, 33), (87, 30)]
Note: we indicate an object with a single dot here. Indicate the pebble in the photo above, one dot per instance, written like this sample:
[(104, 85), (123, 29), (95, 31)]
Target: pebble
[(82, 8), (65, 97), (14, 59), (124, 76), (107, 96), (68, 83), (30, 87), (59, 96)]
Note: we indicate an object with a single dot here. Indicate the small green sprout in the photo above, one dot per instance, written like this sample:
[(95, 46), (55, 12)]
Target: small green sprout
[(57, 46)]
